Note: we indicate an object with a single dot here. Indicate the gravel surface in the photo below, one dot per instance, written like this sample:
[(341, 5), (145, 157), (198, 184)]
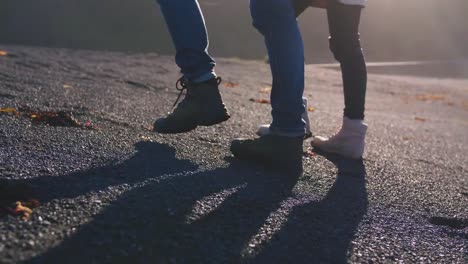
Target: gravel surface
[(119, 193)]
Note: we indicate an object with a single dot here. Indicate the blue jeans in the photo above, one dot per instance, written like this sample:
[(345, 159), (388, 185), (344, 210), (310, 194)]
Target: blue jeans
[(276, 21), (188, 31)]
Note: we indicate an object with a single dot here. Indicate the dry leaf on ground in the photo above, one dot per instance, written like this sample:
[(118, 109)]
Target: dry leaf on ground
[(59, 118), (311, 109), (260, 101), (430, 97), (52, 118), (23, 211), (231, 84), (15, 199), (420, 119), (9, 110)]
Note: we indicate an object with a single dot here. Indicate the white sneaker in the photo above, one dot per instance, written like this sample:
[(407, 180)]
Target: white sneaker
[(348, 142), (264, 130)]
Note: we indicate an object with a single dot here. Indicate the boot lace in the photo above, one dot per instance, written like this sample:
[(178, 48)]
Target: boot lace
[(182, 85)]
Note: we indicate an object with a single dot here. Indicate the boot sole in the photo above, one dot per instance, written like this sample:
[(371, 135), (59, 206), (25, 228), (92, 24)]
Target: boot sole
[(293, 161), (338, 152), (214, 121), (190, 128)]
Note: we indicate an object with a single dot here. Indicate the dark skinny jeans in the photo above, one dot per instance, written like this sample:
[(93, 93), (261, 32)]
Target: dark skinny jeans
[(345, 44)]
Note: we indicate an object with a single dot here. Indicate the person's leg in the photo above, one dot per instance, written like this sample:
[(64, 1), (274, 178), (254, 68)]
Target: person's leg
[(276, 21), (202, 104), (299, 7), (186, 25), (345, 44)]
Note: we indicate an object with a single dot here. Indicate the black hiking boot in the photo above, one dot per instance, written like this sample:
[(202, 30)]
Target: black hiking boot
[(271, 150), (201, 106)]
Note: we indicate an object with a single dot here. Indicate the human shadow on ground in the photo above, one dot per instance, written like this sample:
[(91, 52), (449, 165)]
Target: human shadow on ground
[(211, 216), (150, 161), (322, 231)]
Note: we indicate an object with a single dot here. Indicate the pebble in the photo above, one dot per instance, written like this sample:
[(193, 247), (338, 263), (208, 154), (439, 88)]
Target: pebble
[(31, 243)]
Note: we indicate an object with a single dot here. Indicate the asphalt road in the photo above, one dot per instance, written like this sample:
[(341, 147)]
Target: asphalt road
[(120, 193)]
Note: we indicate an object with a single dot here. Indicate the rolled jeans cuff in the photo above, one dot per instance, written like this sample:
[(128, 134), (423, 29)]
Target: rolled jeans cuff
[(287, 132)]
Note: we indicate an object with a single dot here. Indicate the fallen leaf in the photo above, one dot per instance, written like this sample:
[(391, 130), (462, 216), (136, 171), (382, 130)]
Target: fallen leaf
[(52, 118), (231, 84), (260, 101), (23, 211), (20, 209), (67, 86), (265, 90), (311, 109), (420, 119), (9, 110), (15, 199), (3, 53), (60, 118), (430, 97)]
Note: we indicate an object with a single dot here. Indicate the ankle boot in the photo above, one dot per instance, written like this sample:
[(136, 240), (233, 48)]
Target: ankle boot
[(201, 106), (348, 142)]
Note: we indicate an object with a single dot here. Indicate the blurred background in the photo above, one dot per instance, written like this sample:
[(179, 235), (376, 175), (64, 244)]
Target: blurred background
[(392, 30)]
